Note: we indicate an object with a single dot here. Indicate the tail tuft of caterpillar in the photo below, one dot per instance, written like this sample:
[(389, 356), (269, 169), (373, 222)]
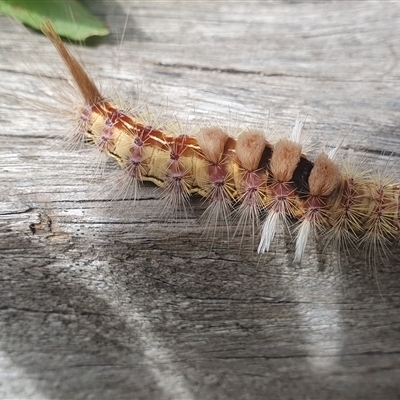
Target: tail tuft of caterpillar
[(84, 83)]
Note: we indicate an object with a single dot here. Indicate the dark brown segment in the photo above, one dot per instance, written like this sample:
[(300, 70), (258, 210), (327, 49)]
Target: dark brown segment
[(301, 174), (265, 158)]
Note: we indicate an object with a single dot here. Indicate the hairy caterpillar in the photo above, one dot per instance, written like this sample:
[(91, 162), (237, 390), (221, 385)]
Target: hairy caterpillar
[(272, 183)]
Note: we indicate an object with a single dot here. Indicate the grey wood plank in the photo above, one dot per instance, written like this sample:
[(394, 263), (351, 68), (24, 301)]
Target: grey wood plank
[(106, 300)]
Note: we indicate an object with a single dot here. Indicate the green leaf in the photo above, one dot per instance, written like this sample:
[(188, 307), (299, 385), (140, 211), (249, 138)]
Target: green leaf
[(68, 17)]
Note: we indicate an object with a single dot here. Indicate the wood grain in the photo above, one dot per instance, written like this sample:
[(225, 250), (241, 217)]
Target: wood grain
[(113, 300)]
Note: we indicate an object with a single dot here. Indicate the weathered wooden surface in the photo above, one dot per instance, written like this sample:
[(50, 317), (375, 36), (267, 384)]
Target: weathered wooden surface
[(105, 300)]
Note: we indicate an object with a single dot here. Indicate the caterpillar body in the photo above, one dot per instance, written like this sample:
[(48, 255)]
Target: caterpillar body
[(270, 182)]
